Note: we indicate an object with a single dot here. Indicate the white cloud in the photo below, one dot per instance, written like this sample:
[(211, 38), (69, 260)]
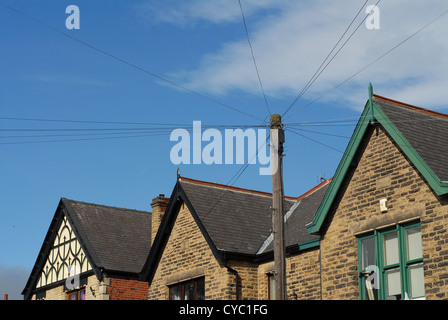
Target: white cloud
[(291, 39), (185, 12)]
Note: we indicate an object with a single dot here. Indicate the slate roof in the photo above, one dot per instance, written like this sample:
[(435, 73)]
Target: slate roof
[(120, 238), (240, 221), (113, 239), (425, 130), (421, 135), (235, 222)]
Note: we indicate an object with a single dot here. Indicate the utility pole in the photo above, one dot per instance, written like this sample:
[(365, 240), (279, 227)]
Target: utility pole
[(277, 138)]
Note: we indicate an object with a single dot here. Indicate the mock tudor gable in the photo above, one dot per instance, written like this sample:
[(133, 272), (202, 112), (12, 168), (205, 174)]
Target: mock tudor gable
[(89, 241)]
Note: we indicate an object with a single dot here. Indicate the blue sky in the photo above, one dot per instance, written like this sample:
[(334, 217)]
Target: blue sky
[(201, 46)]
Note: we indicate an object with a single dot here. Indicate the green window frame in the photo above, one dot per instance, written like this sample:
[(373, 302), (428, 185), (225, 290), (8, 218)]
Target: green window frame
[(390, 263)]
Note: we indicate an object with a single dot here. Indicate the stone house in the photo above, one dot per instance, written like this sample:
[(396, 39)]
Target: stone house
[(383, 221), (376, 230), (215, 242), (91, 252)]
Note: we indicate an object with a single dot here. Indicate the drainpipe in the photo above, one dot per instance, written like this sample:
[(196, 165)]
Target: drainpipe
[(320, 266), (237, 281)]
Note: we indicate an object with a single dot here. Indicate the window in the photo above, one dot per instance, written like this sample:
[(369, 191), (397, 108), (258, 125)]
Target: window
[(188, 290), (79, 294), (391, 264)]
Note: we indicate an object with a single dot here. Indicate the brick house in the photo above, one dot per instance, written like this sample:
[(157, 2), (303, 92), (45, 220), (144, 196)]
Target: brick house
[(215, 242), (91, 252), (383, 221)]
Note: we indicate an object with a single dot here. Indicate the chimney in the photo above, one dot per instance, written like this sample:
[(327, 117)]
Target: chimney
[(158, 206), (5, 296)]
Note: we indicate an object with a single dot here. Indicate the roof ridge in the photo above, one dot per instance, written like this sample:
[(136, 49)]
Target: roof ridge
[(255, 192), (220, 185), (314, 189), (412, 107), (106, 206)]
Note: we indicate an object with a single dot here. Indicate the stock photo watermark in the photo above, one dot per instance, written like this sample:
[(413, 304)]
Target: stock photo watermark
[(373, 18), (73, 278), (239, 146), (73, 20)]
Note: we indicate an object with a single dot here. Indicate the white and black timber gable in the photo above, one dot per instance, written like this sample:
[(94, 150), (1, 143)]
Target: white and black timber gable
[(85, 239)]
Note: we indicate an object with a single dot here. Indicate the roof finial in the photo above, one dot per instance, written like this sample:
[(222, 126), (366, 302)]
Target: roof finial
[(372, 117), (178, 173)]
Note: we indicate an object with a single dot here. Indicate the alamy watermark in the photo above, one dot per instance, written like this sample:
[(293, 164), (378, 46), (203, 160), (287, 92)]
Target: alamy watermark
[(235, 146), (73, 20), (373, 18), (73, 278)]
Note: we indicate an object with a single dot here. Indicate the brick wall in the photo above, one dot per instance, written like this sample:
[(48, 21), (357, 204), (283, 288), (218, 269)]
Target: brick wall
[(122, 288), (383, 172)]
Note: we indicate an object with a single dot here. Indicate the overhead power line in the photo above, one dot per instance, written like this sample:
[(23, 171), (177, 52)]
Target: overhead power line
[(374, 61), (92, 133), (313, 140), (253, 57), (79, 139), (127, 62), (321, 68), (90, 121), (163, 125)]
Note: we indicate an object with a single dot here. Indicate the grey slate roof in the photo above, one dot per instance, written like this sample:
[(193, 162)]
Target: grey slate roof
[(113, 239), (239, 220), (119, 238), (425, 130)]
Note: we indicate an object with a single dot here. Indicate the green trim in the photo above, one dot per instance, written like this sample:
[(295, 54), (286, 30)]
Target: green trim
[(403, 263), (435, 183), (342, 169), (372, 113), (309, 244)]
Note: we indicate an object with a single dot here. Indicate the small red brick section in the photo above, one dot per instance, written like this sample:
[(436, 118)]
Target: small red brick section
[(127, 289)]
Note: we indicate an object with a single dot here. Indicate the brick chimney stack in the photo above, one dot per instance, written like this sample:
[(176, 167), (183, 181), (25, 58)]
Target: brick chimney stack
[(158, 206)]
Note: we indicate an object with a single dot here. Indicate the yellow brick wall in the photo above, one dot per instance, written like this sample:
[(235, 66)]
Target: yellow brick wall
[(383, 172)]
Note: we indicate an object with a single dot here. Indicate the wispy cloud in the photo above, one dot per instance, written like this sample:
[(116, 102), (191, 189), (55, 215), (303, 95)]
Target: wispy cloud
[(187, 12), (291, 39)]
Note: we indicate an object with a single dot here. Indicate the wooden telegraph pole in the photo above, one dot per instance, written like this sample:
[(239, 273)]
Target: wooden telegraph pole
[(277, 138)]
